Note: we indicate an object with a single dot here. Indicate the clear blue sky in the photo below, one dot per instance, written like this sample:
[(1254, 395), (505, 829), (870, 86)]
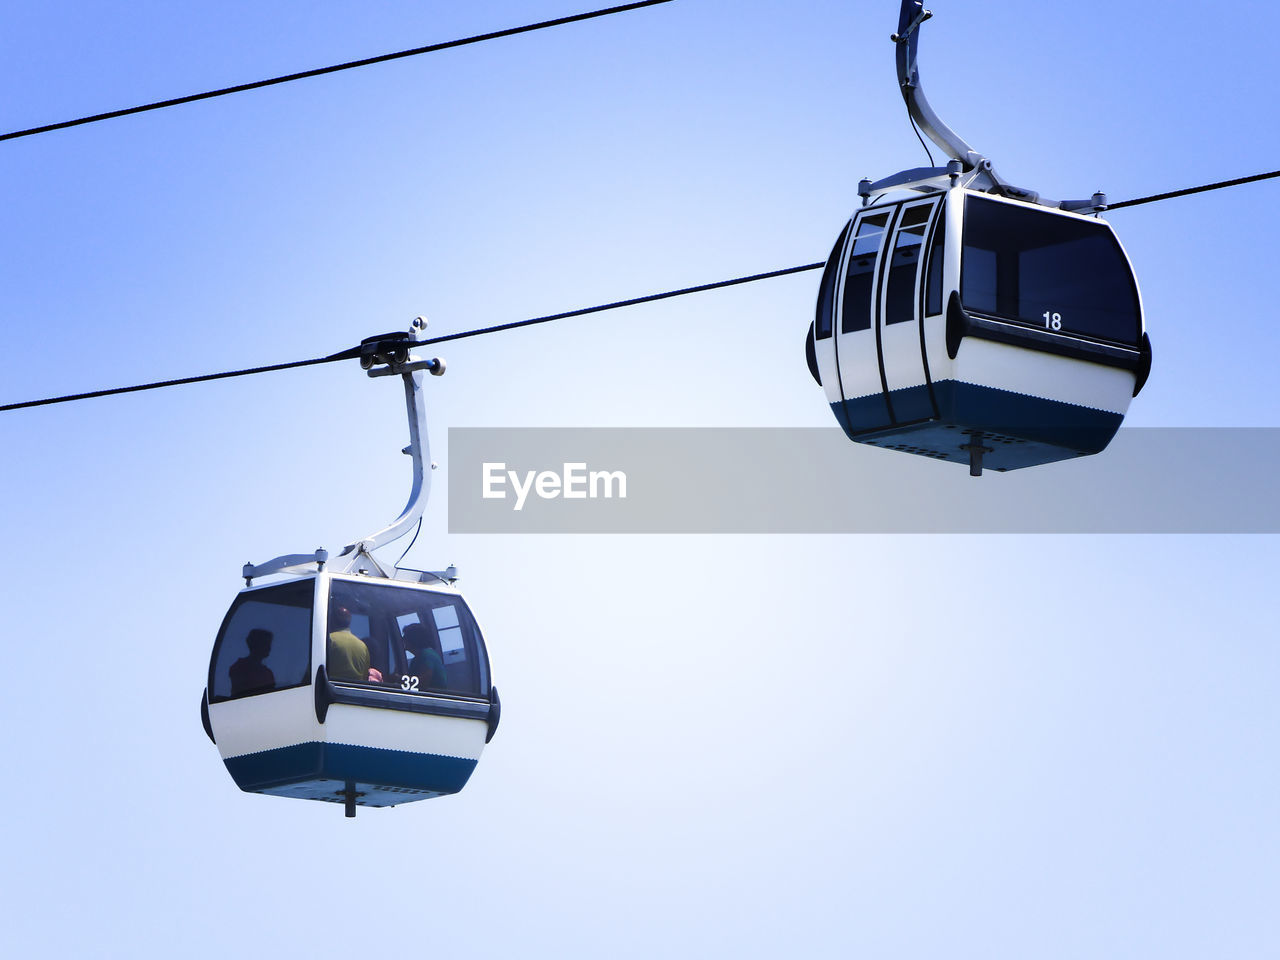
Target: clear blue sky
[(753, 746)]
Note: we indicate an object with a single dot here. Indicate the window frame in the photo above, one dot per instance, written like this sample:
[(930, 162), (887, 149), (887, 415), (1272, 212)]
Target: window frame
[(391, 694), (220, 638), (900, 229), (1099, 228), (829, 288), (888, 213), (935, 265)]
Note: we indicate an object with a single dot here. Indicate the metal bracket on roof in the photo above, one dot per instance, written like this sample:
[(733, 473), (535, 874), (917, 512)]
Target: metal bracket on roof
[(289, 563), (357, 559), (924, 179), (1095, 204), (449, 575)]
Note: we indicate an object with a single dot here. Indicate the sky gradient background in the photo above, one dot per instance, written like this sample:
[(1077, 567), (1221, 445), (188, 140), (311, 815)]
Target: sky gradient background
[(883, 746)]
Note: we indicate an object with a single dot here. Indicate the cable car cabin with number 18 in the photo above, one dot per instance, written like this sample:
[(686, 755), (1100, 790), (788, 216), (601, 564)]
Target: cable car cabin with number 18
[(980, 329), (350, 688)]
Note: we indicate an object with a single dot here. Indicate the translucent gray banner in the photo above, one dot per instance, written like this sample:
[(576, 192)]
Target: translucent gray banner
[(1149, 480)]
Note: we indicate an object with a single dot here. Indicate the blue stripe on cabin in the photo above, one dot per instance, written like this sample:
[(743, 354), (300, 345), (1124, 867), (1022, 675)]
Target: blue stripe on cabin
[(1021, 430), (307, 762)]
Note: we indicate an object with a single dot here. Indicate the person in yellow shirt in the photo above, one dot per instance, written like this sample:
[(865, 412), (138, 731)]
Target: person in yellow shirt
[(348, 656)]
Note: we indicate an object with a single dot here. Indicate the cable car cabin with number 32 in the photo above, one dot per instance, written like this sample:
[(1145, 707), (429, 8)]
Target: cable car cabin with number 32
[(962, 318), (969, 319), (329, 680), (362, 685)]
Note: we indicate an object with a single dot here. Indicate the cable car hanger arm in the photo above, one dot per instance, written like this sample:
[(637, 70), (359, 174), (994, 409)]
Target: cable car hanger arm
[(398, 362), (907, 40), (975, 170), (385, 355)]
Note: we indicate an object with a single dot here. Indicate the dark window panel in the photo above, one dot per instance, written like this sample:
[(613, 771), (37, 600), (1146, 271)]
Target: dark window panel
[(418, 640), (827, 292), (901, 297), (859, 281), (264, 643), (937, 262), (1048, 271)]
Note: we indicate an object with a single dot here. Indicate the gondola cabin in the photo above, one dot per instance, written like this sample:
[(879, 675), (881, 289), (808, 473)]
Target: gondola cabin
[(350, 688), (964, 326)]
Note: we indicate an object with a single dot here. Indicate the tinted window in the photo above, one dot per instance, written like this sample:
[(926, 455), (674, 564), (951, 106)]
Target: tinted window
[(937, 262), (859, 281), (416, 640), (901, 299), (264, 643), (827, 292), (1047, 270)]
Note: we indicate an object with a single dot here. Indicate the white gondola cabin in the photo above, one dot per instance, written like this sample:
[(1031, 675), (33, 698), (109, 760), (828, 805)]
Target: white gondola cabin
[(354, 683), (350, 688), (962, 318)]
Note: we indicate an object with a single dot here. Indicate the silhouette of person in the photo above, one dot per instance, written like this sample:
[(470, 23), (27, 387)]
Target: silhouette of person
[(427, 664), (347, 654), (249, 674)]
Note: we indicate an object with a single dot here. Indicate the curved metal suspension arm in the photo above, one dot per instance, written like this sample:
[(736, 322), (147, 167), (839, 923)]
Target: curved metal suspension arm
[(976, 169), (410, 370), (419, 450), (390, 355), (907, 38)]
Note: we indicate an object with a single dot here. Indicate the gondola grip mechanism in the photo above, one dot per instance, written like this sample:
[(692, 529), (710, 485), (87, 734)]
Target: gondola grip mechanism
[(906, 34), (390, 354)]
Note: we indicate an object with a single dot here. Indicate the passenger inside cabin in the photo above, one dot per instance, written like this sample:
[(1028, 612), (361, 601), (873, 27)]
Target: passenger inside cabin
[(347, 654), (249, 674), (427, 663)]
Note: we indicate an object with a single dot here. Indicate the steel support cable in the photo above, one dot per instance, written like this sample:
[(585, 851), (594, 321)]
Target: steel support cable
[(354, 352), (138, 388), (615, 305), (320, 71), (1191, 190)]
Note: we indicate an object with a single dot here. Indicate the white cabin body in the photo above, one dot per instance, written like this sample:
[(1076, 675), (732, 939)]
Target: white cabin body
[(291, 716), (959, 324)]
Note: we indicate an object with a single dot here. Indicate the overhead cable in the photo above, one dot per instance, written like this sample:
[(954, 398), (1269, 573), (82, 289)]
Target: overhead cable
[(1190, 190), (624, 303), (354, 352), (138, 388), (320, 71), (615, 305)]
